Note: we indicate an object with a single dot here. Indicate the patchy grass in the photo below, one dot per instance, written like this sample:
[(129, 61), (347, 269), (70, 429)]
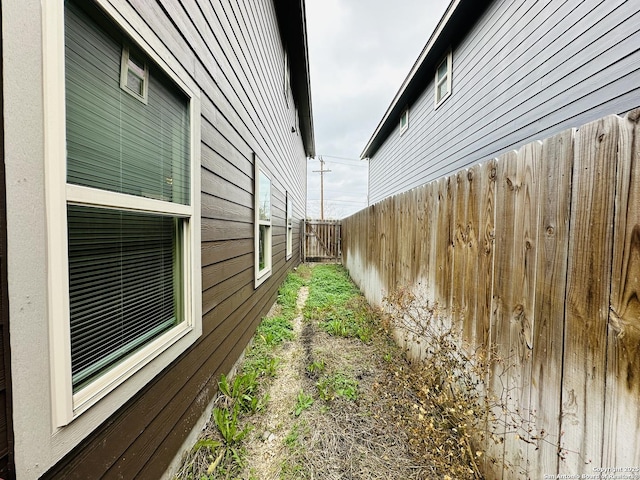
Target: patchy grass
[(337, 304), (337, 385), (329, 288), (353, 434), (274, 330), (220, 452), (332, 396), (304, 402)]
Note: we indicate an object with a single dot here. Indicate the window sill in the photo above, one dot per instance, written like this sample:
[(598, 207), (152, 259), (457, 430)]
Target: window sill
[(442, 100), (262, 276)]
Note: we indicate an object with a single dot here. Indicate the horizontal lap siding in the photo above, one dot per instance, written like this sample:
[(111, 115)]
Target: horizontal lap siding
[(235, 53), (526, 71)]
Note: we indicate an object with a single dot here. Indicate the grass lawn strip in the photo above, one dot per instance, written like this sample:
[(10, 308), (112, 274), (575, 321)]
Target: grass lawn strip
[(324, 393)]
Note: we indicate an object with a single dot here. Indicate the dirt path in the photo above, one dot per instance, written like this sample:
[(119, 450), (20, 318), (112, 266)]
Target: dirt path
[(265, 448), (348, 429)]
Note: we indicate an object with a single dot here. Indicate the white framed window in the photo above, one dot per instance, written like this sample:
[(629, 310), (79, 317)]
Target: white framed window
[(404, 121), (443, 80), (134, 74), (289, 227), (263, 234), (123, 211), (286, 80)]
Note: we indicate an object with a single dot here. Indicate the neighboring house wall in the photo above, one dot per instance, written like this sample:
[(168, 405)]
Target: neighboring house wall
[(232, 55), (526, 70)]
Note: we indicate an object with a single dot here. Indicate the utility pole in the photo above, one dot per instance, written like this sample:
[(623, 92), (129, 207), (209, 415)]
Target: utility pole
[(322, 171)]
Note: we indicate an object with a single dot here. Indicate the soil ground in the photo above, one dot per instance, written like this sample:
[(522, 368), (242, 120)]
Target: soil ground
[(364, 429), (339, 438)]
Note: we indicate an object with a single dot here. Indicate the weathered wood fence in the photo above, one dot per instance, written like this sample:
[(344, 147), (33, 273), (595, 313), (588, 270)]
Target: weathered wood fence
[(537, 253), (323, 241)]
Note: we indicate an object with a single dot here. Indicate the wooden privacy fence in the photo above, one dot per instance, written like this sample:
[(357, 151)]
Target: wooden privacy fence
[(323, 241), (537, 253)]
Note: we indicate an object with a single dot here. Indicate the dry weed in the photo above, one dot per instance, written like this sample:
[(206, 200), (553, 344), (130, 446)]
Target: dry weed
[(450, 411)]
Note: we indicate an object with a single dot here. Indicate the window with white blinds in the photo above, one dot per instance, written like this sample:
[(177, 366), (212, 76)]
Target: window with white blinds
[(124, 284), (131, 211)]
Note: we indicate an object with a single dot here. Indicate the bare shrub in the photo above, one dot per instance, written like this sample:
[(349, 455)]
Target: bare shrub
[(456, 417)]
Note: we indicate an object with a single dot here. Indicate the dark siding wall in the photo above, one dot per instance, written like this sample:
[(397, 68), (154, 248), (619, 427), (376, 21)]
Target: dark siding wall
[(528, 69), (238, 57)]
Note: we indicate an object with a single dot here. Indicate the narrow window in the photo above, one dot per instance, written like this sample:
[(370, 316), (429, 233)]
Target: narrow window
[(443, 80), (404, 121), (289, 227), (286, 80), (263, 226)]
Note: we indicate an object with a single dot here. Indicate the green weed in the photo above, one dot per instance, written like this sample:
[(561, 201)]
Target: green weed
[(337, 385), (292, 437), (303, 402), (337, 305), (228, 425), (242, 392), (207, 443), (316, 367), (261, 364), (292, 471)]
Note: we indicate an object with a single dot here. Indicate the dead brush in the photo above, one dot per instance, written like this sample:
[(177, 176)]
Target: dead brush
[(453, 418)]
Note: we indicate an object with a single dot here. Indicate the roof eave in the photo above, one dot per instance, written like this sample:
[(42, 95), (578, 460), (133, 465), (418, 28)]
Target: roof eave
[(293, 32), (457, 20)]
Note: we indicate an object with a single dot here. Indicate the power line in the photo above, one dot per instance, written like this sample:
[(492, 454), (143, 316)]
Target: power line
[(342, 158), (364, 165), (354, 202), (352, 193)]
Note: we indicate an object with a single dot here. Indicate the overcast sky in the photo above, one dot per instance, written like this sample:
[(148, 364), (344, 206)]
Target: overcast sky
[(360, 51)]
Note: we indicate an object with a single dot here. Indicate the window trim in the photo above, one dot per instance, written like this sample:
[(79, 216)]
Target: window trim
[(261, 275), (289, 226), (405, 127), (449, 61), (107, 393), (286, 80)]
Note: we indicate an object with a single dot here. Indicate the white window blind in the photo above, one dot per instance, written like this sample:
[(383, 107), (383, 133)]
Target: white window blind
[(126, 265)]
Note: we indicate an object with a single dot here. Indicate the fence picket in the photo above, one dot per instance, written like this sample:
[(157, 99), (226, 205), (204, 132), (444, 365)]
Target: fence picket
[(622, 410), (443, 245), (522, 307), (487, 234), (460, 249), (588, 284), (551, 265), (471, 287)]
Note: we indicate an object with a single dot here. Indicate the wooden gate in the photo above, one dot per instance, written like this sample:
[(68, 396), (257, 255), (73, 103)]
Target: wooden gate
[(322, 241)]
